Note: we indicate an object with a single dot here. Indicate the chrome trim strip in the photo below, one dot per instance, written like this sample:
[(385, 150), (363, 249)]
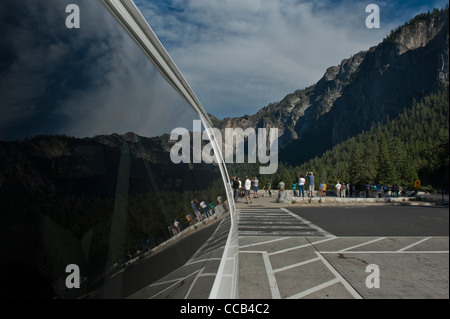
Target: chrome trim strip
[(131, 19)]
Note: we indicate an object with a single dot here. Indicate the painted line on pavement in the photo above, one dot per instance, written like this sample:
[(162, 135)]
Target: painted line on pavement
[(349, 287), (265, 242), (314, 289), (389, 252), (360, 245), (415, 244), (296, 265), (302, 246), (271, 276)]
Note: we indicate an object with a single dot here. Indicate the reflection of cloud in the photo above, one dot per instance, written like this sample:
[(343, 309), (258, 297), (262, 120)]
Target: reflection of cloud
[(240, 55), (82, 82)]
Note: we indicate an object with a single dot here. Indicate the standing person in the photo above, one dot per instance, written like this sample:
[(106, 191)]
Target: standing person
[(267, 188), (343, 189), (367, 190), (240, 187), (321, 189), (177, 225), (324, 191), (205, 208), (189, 219), (294, 188), (196, 211), (255, 187), (173, 229), (301, 186), (247, 185), (212, 208), (235, 188), (338, 189), (311, 184)]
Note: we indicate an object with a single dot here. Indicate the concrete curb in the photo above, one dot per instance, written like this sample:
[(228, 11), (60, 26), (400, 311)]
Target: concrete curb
[(332, 201), (353, 200)]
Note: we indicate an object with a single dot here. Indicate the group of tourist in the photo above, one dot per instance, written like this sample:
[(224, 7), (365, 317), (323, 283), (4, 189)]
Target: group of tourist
[(241, 190), (342, 189), (300, 192), (306, 183), (201, 212), (387, 190)]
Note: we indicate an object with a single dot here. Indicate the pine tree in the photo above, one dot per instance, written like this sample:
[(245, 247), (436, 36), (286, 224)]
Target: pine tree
[(385, 169)]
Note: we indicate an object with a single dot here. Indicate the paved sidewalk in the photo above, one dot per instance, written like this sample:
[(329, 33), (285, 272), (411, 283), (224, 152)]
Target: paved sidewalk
[(283, 256)]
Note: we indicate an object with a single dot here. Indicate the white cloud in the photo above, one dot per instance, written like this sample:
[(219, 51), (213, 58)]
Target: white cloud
[(240, 55)]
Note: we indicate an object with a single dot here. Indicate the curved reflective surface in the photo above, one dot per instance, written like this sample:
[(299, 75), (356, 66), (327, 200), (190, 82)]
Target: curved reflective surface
[(92, 204)]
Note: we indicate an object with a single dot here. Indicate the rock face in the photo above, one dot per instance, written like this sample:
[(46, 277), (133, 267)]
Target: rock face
[(365, 89)]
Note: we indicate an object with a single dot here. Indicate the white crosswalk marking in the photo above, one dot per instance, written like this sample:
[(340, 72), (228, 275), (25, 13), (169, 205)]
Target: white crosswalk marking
[(275, 222)]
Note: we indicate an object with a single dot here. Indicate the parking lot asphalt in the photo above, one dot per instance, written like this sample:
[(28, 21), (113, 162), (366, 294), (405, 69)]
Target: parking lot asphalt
[(343, 250)]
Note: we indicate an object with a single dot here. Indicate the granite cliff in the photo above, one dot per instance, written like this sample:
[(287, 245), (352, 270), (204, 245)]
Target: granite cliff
[(367, 88)]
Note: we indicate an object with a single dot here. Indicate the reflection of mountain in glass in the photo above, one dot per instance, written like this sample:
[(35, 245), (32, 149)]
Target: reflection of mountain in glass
[(45, 164), (59, 197)]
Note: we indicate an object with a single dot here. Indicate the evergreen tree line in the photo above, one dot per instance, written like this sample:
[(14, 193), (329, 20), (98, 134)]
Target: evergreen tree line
[(414, 145)]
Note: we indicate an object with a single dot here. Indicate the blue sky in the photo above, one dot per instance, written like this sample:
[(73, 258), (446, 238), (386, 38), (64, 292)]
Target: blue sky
[(237, 55), (241, 55)]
